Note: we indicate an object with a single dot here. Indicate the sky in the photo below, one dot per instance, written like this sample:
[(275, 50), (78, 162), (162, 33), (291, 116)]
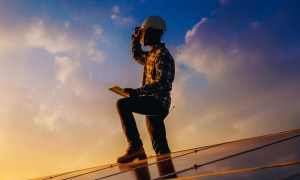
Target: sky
[(237, 76)]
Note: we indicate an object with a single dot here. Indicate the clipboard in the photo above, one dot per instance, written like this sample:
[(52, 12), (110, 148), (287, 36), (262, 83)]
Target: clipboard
[(118, 90)]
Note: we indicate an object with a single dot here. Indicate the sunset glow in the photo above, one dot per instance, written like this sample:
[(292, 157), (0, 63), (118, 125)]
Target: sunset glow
[(237, 76)]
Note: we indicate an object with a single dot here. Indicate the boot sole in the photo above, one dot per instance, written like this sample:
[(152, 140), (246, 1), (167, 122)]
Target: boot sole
[(122, 161)]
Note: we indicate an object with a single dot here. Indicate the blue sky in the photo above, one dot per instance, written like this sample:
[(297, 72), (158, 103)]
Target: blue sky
[(237, 75)]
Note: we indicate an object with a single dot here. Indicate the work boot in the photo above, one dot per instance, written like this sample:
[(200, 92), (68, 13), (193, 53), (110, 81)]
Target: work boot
[(163, 151), (131, 154)]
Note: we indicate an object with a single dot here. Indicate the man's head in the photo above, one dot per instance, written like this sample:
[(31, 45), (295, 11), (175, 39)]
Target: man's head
[(152, 29)]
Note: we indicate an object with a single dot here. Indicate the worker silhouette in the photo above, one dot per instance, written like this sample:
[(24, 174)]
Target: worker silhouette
[(153, 98)]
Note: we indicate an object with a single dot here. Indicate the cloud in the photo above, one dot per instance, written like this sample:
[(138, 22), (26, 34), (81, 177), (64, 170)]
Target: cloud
[(52, 39), (48, 116), (116, 9), (60, 38), (98, 30), (191, 33), (119, 19), (66, 68), (44, 131), (237, 78), (54, 97)]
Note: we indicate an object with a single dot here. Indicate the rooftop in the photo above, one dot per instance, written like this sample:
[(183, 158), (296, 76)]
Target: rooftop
[(272, 156)]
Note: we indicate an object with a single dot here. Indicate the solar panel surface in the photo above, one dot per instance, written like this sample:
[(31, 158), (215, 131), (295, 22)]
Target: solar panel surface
[(274, 156)]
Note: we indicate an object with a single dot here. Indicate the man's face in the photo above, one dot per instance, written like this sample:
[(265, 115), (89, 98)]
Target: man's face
[(144, 37), (150, 36)]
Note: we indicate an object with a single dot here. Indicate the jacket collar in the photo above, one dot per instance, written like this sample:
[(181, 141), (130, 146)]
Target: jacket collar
[(158, 46)]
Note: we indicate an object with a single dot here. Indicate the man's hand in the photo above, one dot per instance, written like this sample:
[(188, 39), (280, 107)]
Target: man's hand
[(137, 32), (131, 92)]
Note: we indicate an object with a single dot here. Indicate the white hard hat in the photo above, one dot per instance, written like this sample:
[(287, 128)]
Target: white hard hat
[(154, 22)]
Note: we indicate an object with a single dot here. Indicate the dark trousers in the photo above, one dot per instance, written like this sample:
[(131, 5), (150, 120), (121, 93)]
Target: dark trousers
[(155, 115)]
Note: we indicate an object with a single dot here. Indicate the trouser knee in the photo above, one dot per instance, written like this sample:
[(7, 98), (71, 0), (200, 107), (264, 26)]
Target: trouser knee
[(121, 103)]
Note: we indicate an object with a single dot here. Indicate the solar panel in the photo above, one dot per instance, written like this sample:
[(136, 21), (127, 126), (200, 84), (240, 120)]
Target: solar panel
[(265, 157)]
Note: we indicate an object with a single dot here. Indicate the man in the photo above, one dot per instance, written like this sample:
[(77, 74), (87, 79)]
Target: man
[(153, 98)]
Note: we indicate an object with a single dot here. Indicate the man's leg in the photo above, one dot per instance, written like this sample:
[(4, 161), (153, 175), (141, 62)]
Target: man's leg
[(157, 133), (125, 108), (135, 149), (146, 105)]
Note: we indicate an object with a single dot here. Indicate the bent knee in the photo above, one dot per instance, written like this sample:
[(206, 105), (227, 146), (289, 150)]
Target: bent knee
[(121, 103)]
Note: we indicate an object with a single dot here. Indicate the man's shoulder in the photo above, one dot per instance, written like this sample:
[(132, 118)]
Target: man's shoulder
[(163, 50)]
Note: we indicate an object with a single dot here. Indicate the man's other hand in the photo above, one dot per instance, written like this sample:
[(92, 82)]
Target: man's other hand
[(131, 92)]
